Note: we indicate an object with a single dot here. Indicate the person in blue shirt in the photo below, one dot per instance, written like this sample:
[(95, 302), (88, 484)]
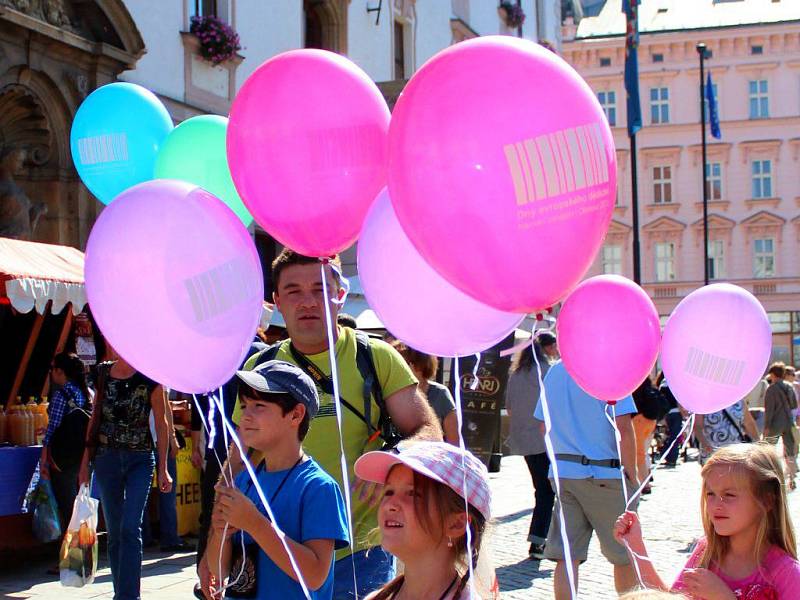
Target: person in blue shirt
[(279, 401), (589, 474)]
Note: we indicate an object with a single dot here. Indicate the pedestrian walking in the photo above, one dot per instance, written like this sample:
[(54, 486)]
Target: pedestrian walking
[(779, 420), (731, 425)]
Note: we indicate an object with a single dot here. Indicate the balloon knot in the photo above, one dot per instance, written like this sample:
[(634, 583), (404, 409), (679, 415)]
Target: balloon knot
[(325, 260), (612, 402), (539, 317)]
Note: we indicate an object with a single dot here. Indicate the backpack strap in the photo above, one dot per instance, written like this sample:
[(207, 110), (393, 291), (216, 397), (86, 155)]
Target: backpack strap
[(372, 390)]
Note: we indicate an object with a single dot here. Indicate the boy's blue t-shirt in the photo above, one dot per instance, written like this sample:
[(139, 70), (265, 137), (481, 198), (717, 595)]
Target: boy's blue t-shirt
[(308, 506)]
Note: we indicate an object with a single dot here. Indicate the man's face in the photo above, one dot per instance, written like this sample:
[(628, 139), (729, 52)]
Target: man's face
[(299, 297)]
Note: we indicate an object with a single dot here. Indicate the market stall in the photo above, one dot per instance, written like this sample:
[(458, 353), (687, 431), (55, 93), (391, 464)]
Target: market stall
[(41, 290)]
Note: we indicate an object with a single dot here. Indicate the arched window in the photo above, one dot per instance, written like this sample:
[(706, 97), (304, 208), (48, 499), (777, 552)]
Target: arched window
[(326, 24)]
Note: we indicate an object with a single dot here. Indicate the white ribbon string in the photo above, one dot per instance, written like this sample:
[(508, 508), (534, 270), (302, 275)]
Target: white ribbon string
[(229, 482), (261, 496), (462, 446), (212, 432), (551, 454), (337, 403)]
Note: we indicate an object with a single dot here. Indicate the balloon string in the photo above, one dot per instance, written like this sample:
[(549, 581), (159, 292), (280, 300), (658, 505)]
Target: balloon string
[(462, 446), (212, 433), (686, 427), (261, 496), (337, 403), (229, 482), (612, 418), (551, 454)]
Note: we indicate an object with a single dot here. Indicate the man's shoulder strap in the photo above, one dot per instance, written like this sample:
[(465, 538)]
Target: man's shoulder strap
[(268, 353), (372, 387)]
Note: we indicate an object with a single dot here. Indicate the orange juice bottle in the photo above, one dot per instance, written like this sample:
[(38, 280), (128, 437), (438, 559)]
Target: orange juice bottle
[(14, 425)]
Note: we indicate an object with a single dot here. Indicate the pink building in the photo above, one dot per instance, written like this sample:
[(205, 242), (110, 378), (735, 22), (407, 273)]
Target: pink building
[(754, 188)]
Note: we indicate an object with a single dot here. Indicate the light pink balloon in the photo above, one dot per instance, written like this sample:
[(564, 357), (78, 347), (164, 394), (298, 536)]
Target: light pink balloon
[(608, 336), (175, 284), (307, 148), (502, 171), (413, 301), (717, 344)]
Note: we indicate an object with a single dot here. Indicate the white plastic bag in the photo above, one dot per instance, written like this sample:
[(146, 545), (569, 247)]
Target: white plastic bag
[(78, 558)]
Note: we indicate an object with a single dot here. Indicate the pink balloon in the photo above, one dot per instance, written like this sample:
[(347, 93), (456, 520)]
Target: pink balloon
[(175, 284), (413, 301), (608, 336), (307, 148), (502, 171), (717, 344)]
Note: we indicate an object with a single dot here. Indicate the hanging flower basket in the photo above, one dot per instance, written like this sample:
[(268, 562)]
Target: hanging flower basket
[(218, 41), (512, 14)]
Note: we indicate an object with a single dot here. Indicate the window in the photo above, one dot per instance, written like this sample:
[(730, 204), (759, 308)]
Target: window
[(756, 50), (764, 258), (659, 105), (605, 62), (608, 100), (714, 181), (759, 99), (612, 260), (658, 58), (203, 8), (716, 259), (761, 171), (662, 185), (399, 51), (665, 261)]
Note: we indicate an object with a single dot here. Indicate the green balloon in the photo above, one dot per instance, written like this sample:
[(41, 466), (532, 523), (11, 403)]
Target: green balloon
[(195, 152)]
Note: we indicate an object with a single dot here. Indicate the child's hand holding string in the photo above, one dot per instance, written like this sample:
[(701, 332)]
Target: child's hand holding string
[(702, 583), (628, 531), (236, 509)]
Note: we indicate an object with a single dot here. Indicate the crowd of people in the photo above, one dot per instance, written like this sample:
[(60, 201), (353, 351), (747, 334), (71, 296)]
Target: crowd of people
[(353, 494)]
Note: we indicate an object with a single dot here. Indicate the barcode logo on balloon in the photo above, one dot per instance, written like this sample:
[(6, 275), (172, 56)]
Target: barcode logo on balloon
[(714, 368), (219, 289), (557, 163), (112, 147)]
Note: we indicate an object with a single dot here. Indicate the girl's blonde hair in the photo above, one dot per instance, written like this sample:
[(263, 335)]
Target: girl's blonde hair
[(651, 595), (761, 467)]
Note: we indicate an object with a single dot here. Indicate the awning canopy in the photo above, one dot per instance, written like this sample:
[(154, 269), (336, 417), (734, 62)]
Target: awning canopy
[(31, 274)]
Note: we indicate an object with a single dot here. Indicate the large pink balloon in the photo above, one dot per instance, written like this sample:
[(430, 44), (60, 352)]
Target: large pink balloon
[(717, 343), (307, 148), (413, 301), (175, 283), (608, 336), (502, 171)]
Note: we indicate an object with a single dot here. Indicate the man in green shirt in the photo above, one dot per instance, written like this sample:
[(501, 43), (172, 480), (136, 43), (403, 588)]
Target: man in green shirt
[(297, 281)]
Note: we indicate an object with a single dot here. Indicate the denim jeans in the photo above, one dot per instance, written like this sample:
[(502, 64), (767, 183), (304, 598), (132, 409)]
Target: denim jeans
[(124, 479), (544, 497), (374, 568), (167, 513), (674, 425)]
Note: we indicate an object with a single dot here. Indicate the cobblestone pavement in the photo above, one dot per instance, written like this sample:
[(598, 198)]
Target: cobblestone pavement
[(670, 517)]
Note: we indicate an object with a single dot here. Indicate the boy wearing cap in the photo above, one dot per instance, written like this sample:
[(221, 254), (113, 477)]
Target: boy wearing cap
[(278, 402)]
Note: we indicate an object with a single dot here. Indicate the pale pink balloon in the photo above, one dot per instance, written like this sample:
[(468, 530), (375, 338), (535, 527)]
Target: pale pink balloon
[(502, 171), (175, 284), (413, 301), (717, 344), (307, 148), (608, 336)]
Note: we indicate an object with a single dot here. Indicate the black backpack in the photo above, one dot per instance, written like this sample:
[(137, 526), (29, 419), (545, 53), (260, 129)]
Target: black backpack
[(386, 429), (650, 402), (69, 438)]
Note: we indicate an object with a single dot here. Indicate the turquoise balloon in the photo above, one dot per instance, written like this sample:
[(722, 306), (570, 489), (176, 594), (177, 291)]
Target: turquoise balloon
[(115, 138), (195, 152)]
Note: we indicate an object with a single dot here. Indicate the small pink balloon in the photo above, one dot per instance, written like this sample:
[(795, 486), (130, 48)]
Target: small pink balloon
[(502, 171), (608, 336), (413, 301), (717, 344), (175, 284), (307, 148)]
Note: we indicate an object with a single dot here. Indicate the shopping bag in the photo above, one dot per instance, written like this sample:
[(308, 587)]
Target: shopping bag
[(78, 558), (46, 524)]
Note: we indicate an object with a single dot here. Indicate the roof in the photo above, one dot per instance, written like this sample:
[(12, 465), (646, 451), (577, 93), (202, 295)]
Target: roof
[(671, 15), (31, 274)]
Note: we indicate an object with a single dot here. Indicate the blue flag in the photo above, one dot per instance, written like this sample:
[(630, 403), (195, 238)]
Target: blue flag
[(631, 10), (713, 112)]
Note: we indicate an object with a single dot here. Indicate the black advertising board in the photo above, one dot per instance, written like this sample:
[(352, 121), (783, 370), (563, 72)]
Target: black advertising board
[(481, 406)]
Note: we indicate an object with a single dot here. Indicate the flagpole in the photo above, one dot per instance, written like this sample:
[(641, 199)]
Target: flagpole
[(701, 50), (637, 268)]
